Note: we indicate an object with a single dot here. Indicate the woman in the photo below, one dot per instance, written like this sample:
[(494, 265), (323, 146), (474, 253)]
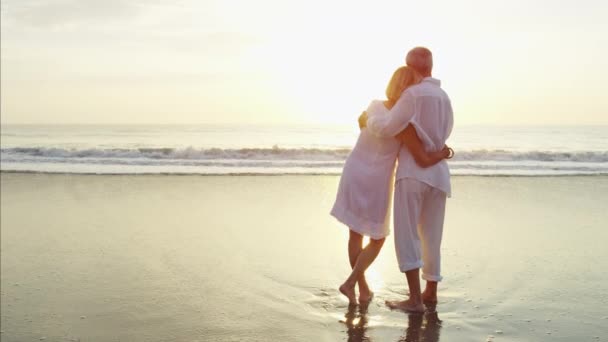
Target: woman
[(365, 189)]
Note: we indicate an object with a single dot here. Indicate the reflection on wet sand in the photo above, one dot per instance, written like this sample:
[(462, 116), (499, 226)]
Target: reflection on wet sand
[(356, 323), (424, 327)]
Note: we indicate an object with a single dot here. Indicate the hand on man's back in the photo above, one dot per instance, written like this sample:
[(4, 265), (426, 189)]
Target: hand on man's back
[(363, 120)]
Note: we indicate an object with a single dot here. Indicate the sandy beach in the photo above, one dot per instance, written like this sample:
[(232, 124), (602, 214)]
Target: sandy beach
[(258, 258)]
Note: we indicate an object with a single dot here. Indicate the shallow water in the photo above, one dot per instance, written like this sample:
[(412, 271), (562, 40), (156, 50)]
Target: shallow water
[(191, 258)]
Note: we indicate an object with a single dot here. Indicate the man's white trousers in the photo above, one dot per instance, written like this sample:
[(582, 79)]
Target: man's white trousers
[(419, 211)]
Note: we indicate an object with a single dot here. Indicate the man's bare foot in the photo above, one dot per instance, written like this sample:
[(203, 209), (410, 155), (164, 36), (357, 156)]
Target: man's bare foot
[(349, 292), (365, 297), (429, 298), (405, 305)]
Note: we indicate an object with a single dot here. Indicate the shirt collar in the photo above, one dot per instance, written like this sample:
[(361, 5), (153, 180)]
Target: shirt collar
[(432, 80)]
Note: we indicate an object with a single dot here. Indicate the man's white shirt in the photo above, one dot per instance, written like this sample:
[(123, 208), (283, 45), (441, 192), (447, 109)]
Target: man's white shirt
[(428, 108)]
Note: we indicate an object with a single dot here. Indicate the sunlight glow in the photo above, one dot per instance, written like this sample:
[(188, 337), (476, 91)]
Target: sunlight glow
[(305, 62)]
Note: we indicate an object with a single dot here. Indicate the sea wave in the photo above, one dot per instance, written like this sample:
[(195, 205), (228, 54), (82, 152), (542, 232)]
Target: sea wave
[(545, 156), (183, 153), (277, 153), (278, 160)]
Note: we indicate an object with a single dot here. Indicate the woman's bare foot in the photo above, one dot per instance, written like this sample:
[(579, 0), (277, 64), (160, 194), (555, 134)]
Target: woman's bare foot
[(405, 305), (365, 298), (349, 292), (365, 294)]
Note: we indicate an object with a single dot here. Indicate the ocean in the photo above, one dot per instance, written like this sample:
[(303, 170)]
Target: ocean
[(307, 149)]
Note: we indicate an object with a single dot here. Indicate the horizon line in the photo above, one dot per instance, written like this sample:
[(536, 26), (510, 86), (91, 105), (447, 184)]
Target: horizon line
[(293, 124)]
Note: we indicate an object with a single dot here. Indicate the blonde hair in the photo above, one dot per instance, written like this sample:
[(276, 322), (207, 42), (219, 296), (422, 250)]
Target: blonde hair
[(403, 78)]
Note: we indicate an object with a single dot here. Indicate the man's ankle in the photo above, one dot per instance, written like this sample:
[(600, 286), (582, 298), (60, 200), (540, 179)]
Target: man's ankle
[(415, 299)]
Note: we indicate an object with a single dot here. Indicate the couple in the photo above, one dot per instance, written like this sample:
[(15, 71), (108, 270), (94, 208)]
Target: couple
[(412, 125)]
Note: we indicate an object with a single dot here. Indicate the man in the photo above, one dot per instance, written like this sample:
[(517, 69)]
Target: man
[(420, 193)]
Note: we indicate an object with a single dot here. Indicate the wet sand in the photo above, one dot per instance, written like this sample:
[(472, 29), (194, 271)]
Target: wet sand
[(252, 258)]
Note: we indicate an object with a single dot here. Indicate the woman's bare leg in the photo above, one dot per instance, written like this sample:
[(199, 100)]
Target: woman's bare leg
[(355, 246), (365, 258)]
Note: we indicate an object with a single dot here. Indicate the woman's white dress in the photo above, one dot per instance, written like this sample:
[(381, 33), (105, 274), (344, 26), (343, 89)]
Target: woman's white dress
[(364, 194)]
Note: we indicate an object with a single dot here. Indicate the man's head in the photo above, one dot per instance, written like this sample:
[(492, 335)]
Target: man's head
[(421, 59)]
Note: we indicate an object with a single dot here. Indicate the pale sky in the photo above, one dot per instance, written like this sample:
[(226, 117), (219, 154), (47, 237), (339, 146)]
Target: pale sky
[(512, 62)]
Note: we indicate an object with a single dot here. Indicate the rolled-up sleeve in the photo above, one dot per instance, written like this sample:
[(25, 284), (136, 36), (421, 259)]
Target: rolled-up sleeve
[(396, 120)]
